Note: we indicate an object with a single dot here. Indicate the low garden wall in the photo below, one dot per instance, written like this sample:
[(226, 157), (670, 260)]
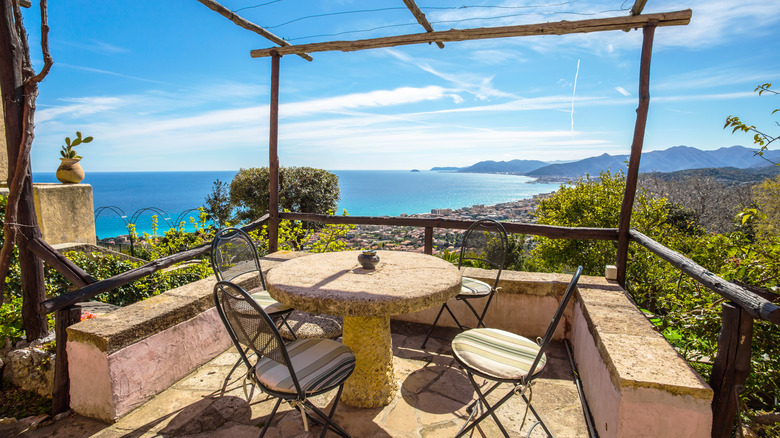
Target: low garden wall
[(635, 382)]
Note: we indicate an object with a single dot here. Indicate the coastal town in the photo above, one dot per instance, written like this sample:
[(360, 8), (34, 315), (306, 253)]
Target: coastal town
[(412, 238)]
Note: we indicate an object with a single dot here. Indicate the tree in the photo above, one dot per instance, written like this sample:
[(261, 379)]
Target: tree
[(700, 198), (301, 189), (588, 202), (760, 138), (767, 197), (218, 204)]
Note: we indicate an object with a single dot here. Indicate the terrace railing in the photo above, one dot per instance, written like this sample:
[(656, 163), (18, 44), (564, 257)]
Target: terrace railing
[(732, 362)]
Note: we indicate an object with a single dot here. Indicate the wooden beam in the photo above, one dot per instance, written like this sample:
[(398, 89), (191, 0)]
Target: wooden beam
[(273, 158), (71, 271), (550, 231), (248, 25), (636, 153), (753, 304), (91, 290), (638, 6), (60, 398), (418, 14), (731, 368), (677, 18)]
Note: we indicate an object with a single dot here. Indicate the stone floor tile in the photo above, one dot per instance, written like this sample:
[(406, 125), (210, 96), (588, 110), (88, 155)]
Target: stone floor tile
[(431, 402)]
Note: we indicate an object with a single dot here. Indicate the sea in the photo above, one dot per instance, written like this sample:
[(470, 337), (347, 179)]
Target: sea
[(120, 198)]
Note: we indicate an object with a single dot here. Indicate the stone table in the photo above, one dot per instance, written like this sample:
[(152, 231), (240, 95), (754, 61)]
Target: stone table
[(336, 284)]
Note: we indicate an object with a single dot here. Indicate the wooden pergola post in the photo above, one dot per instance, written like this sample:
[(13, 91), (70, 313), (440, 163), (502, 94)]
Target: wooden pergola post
[(19, 89), (636, 152), (273, 158)]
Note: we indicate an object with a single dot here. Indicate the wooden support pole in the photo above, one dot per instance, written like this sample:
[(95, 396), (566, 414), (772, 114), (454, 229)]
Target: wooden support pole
[(420, 16), (636, 153), (61, 394), (273, 159), (429, 240), (677, 18), (19, 90), (731, 367)]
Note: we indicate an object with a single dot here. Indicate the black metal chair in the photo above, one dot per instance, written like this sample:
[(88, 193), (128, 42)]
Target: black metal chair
[(505, 357), (293, 372), (233, 254), (485, 245)]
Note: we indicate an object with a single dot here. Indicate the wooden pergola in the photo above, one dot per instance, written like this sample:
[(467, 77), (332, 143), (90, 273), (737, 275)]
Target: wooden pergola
[(18, 82), (634, 20)]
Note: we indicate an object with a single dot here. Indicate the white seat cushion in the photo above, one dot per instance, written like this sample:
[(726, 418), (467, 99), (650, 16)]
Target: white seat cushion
[(497, 353), (270, 305), (318, 363), (471, 287)]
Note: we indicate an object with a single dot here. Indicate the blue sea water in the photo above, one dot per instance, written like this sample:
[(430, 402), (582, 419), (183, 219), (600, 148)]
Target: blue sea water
[(363, 193)]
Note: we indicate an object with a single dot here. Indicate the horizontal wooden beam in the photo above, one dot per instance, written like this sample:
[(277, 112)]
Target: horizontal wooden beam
[(248, 25), (511, 227), (753, 304), (677, 18), (130, 276)]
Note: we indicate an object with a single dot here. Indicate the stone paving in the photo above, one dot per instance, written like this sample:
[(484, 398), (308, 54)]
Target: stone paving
[(432, 402)]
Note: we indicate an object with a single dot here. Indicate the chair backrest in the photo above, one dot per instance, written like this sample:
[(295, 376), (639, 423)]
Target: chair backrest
[(234, 254), (249, 326), (554, 323), (486, 243)]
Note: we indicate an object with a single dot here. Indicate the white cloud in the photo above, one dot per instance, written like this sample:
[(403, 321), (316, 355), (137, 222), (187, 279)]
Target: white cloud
[(476, 84), (371, 99), (622, 91)]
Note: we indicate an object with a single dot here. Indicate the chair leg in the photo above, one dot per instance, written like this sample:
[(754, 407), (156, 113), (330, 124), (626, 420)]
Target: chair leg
[(270, 417), (284, 322), (536, 414), (476, 314), (329, 424), (489, 410), (433, 326)]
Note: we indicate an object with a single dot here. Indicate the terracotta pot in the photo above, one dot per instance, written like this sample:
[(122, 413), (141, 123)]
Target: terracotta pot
[(70, 171)]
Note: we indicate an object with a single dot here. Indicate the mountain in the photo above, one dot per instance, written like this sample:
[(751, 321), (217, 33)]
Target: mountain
[(669, 160), (445, 169), (725, 175), (514, 166)]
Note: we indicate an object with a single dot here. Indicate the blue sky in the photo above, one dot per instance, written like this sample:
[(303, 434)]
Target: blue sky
[(170, 85)]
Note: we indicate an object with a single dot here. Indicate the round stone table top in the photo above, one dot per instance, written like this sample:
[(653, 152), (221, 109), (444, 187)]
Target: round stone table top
[(335, 283)]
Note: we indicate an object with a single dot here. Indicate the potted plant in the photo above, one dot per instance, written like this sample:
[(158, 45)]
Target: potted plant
[(70, 171)]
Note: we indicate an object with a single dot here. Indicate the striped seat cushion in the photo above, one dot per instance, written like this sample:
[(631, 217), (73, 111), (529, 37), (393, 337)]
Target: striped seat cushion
[(472, 287), (319, 364), (270, 305), (497, 353)]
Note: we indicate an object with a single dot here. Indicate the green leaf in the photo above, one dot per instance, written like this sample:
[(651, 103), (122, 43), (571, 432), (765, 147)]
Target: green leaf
[(87, 140)]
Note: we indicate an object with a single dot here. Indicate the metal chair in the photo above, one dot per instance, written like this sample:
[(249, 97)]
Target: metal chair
[(233, 254), (505, 357), (485, 245), (293, 372)]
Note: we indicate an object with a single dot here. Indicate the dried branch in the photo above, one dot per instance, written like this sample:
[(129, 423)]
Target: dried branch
[(20, 174), (47, 61)]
